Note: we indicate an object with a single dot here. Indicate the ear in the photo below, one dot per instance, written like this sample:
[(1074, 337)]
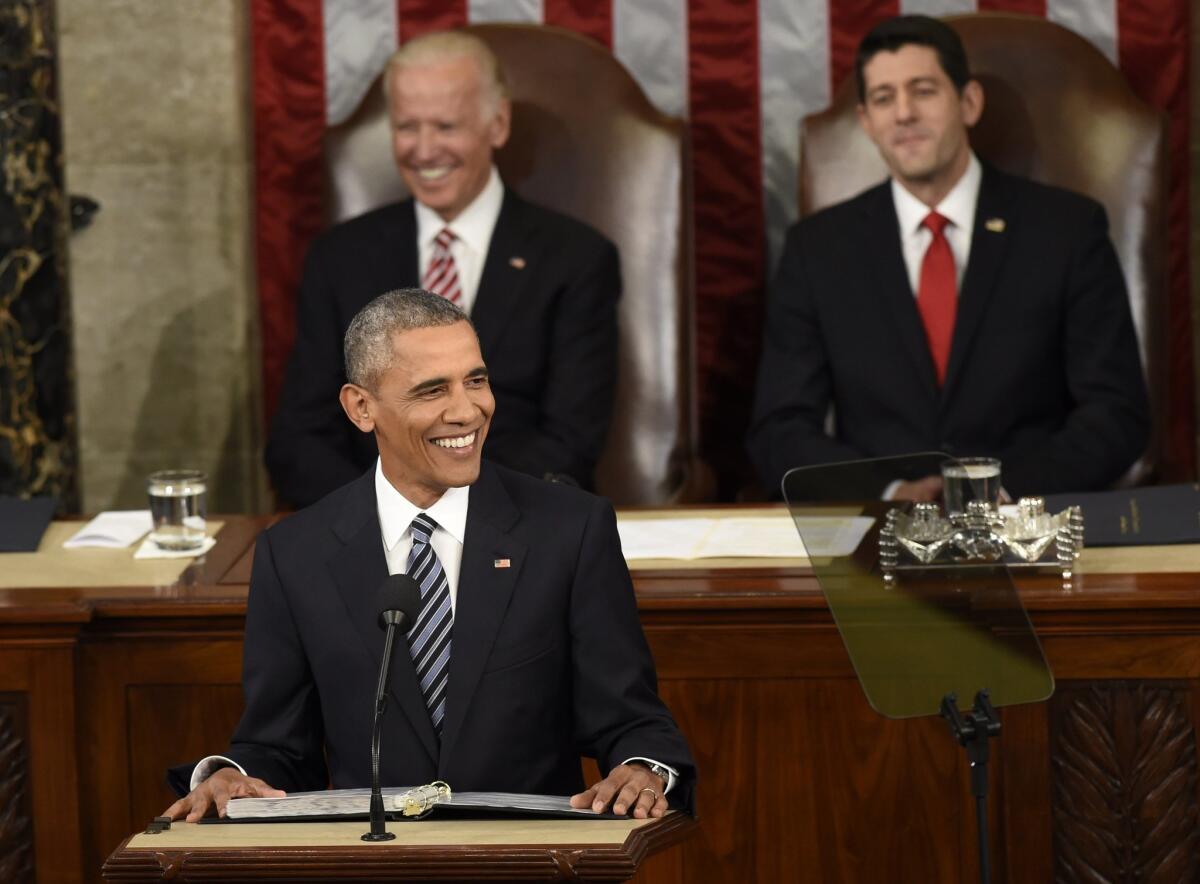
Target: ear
[(971, 101), (501, 124), (359, 406)]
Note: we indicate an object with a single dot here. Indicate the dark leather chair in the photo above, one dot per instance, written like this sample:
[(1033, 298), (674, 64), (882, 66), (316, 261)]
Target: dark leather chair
[(587, 142), (1056, 111)]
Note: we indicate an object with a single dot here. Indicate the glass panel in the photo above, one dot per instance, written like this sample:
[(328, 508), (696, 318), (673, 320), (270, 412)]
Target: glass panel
[(951, 624)]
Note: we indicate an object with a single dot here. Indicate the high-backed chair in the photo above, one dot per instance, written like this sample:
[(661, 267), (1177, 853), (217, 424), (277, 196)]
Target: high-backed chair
[(1056, 111), (586, 141)]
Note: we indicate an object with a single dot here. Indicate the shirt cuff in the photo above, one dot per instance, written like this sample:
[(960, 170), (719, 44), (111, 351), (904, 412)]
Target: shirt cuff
[(209, 766), (672, 773), (889, 493)]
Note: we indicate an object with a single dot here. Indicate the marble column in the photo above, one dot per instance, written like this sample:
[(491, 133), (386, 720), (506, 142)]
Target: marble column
[(37, 413)]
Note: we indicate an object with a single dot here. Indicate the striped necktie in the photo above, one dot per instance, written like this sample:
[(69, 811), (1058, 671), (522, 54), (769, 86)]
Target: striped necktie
[(441, 277), (429, 639)]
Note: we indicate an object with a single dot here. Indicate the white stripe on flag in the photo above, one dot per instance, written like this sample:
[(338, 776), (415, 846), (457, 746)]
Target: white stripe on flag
[(1095, 20), (481, 11), (359, 37), (936, 7), (793, 78), (650, 39)]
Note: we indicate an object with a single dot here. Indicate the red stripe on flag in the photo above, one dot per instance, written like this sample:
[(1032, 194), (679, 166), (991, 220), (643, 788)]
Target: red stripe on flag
[(1152, 45), (289, 124), (728, 210), (849, 21), (592, 18), (1027, 7), (417, 17)]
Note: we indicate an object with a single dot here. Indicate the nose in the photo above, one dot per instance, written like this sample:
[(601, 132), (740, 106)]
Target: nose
[(905, 106), (425, 143), (460, 409)]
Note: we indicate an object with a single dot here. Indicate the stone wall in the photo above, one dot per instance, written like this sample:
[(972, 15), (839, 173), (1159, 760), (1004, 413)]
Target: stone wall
[(156, 121)]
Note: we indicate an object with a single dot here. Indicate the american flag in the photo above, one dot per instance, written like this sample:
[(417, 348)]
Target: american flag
[(742, 72)]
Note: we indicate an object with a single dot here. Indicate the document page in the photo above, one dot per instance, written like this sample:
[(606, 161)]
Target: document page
[(739, 536)]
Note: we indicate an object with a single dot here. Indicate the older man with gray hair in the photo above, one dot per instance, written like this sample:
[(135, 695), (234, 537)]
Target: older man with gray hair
[(527, 652), (541, 288)]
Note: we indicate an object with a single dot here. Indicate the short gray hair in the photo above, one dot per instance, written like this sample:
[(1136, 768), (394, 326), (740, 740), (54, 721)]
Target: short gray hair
[(368, 342), (443, 46)]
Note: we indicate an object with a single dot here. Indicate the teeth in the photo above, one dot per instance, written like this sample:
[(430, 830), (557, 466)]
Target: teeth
[(433, 174), (456, 441)]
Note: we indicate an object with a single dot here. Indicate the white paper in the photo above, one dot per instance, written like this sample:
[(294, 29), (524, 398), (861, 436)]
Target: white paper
[(334, 802), (111, 530), (765, 537), (151, 550)]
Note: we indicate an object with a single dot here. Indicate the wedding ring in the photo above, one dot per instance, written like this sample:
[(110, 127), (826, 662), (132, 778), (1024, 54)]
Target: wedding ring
[(651, 791)]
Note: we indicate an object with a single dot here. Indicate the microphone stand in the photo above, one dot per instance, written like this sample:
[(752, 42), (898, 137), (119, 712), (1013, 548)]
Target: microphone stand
[(972, 731), (379, 830)]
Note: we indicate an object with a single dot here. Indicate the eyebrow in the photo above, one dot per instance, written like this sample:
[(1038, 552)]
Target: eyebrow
[(434, 383), (913, 81)]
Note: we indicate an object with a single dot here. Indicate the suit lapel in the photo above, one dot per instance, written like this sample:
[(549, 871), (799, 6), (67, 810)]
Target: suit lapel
[(891, 278), (358, 569), (398, 254), (503, 278), (989, 241), (484, 591)]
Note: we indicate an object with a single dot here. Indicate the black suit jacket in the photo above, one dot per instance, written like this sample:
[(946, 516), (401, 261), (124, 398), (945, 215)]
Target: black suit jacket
[(548, 658), (1044, 370), (547, 327)]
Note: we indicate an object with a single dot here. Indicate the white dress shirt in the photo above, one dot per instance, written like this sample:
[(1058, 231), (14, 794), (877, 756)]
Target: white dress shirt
[(396, 513), (958, 207), (472, 229)]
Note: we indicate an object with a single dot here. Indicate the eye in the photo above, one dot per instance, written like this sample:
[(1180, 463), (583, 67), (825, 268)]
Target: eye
[(406, 126), (476, 383)]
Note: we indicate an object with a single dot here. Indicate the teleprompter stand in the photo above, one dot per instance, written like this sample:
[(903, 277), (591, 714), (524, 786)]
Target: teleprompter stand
[(973, 730)]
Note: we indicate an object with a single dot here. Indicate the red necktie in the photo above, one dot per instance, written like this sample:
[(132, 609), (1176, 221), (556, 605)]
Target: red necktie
[(937, 295), (441, 277)]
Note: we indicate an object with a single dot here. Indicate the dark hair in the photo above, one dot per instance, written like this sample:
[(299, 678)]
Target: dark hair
[(919, 30)]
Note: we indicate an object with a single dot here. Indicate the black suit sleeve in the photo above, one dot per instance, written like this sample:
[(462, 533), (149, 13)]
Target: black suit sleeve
[(794, 388), (1109, 425), (618, 714), (280, 738), (310, 450), (580, 377)]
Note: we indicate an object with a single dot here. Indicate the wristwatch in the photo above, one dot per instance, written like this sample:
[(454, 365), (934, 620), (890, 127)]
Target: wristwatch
[(657, 769)]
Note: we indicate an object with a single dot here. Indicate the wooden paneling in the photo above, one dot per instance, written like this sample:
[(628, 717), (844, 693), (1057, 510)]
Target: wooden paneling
[(16, 807)]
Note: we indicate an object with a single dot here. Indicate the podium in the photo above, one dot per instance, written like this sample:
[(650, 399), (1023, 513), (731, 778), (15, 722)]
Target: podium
[(426, 850)]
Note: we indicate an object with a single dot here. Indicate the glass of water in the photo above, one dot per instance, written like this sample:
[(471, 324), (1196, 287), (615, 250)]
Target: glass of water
[(177, 507), (970, 478)]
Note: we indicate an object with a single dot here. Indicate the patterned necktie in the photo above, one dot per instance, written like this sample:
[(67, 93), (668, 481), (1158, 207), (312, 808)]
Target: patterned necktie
[(429, 639), (937, 295), (441, 277)]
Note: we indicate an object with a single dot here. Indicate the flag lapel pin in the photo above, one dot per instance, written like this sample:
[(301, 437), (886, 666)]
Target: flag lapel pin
[(502, 563), (516, 262), (995, 225)]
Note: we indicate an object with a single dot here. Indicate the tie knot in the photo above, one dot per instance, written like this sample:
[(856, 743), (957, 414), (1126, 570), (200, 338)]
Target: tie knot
[(444, 238), (936, 223), (422, 527)]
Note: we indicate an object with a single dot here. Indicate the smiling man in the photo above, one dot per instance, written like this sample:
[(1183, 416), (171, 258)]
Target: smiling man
[(953, 308), (540, 288), (532, 615)]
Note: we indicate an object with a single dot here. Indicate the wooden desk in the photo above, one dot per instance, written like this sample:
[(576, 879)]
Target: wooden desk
[(799, 779), (455, 850)]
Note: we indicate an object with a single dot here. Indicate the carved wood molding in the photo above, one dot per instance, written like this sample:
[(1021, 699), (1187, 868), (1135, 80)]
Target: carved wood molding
[(1124, 799), (16, 820)]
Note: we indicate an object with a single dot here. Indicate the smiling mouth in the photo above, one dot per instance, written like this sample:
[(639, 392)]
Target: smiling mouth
[(455, 442), (434, 174)]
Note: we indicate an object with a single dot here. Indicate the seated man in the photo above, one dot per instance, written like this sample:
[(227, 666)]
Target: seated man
[(540, 288), (953, 308), (544, 656)]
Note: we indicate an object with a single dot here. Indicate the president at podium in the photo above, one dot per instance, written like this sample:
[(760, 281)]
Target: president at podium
[(527, 651)]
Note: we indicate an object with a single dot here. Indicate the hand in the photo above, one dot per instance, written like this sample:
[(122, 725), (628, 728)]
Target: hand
[(924, 490), (628, 787), (216, 791)]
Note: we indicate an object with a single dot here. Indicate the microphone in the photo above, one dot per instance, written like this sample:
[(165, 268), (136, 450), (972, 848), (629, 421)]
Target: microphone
[(398, 600)]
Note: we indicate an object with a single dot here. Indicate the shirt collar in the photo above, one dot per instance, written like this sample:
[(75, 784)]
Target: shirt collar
[(396, 511), (474, 224), (958, 205)]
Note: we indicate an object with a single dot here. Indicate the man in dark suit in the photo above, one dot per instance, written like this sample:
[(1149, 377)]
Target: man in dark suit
[(952, 308), (540, 288), (539, 655)]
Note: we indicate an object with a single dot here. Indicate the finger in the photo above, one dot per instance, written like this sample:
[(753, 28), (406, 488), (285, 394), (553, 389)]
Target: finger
[(199, 805), (660, 807), (176, 810), (605, 791), (584, 798), (256, 788), (221, 793), (627, 797)]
